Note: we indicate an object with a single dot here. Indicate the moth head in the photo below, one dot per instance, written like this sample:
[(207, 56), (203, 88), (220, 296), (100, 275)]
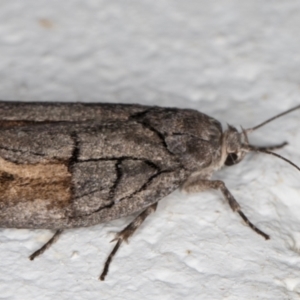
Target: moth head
[(235, 144)]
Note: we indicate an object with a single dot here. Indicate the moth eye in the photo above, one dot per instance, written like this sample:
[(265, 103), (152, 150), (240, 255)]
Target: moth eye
[(231, 159)]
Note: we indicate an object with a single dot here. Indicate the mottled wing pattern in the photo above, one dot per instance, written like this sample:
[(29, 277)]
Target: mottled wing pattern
[(61, 175)]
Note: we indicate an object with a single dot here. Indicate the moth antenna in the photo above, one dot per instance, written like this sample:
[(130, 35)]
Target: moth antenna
[(272, 119), (254, 149)]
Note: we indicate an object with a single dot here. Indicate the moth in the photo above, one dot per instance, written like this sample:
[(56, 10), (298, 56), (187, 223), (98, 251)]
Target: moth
[(67, 165)]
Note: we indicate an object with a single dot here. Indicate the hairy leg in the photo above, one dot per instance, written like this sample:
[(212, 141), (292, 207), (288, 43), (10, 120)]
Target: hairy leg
[(47, 245), (198, 185), (270, 148), (125, 234)]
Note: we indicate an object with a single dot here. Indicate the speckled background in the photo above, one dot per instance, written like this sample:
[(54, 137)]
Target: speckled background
[(238, 61)]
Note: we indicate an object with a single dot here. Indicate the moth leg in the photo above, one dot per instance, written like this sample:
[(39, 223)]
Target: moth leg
[(201, 185), (271, 148), (125, 234), (47, 245)]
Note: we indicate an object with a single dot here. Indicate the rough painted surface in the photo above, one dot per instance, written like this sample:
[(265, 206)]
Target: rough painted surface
[(235, 61)]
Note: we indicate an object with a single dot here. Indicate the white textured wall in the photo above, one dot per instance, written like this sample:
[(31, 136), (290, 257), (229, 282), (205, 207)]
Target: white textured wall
[(238, 61)]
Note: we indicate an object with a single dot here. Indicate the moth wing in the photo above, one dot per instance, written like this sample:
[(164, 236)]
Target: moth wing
[(120, 169), (27, 113), (143, 195), (67, 175)]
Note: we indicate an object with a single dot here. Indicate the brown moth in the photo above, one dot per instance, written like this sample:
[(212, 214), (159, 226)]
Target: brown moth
[(67, 165)]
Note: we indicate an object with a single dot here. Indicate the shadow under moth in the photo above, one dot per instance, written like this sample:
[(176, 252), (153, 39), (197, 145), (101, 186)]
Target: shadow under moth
[(67, 165)]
